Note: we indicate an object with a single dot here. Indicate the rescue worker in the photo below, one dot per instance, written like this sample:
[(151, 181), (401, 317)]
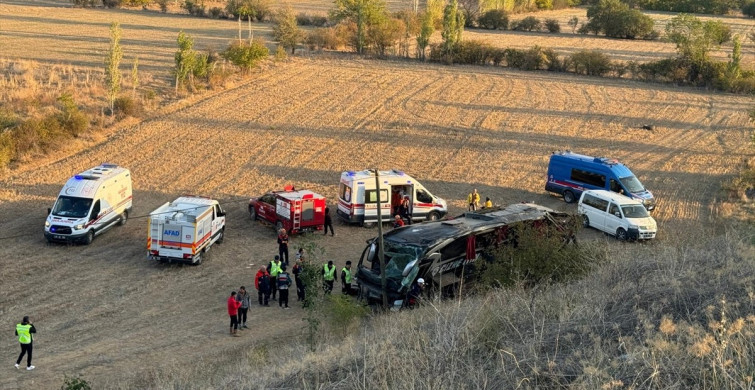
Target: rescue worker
[(24, 332), (329, 276), (404, 210), (328, 222), (243, 297), (284, 281), (262, 283), (274, 268), (346, 279), (233, 312), (283, 246), (488, 203), (474, 200), (297, 271), (415, 293)]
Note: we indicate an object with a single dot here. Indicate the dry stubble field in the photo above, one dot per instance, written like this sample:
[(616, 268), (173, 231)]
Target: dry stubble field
[(106, 312)]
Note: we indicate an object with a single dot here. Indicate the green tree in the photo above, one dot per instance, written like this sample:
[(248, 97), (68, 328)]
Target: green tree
[(453, 27), (694, 39), (246, 55), (736, 58), (363, 13), (112, 65), (384, 35), (426, 30), (135, 76), (614, 19), (185, 60), (285, 30)]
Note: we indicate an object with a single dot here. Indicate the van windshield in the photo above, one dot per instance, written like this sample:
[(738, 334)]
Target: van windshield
[(71, 207), (632, 184), (635, 211)]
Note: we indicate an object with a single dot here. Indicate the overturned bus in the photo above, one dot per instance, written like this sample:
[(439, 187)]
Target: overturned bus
[(444, 253)]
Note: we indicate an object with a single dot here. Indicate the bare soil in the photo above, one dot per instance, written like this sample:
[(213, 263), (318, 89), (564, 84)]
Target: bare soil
[(106, 312)]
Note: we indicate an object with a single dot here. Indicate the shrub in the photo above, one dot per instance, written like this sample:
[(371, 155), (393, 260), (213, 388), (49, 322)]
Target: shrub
[(552, 26), (72, 120), (259, 10), (75, 383), (749, 9), (473, 53), (216, 12), (590, 62), (554, 63), (531, 59), (544, 4), (616, 20), (111, 3), (194, 7), (126, 106), (163, 4), (246, 55), (7, 148), (494, 19), (573, 23), (304, 19), (324, 38), (529, 23), (344, 313)]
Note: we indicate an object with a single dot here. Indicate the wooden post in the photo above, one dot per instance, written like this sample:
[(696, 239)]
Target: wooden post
[(380, 253)]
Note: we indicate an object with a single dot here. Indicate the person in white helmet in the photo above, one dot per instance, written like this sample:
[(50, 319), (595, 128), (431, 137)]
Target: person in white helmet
[(415, 294)]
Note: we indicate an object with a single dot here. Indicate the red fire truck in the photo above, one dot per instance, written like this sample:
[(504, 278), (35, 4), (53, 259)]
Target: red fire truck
[(292, 209)]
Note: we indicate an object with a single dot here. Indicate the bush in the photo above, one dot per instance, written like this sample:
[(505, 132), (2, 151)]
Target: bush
[(552, 26), (194, 7), (72, 120), (304, 19), (529, 23), (216, 12), (7, 148), (75, 383), (554, 63), (259, 10), (126, 106), (473, 53), (111, 3), (246, 55), (531, 59), (163, 5), (494, 20), (324, 38), (590, 62), (749, 9), (616, 20), (84, 3)]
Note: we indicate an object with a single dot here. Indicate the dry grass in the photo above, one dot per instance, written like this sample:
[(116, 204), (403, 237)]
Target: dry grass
[(105, 312)]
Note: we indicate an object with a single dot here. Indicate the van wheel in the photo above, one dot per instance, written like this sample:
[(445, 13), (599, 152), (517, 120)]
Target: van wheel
[(568, 197), (124, 218), (585, 221), (433, 216), (222, 236), (198, 259), (252, 213), (89, 237), (621, 234)]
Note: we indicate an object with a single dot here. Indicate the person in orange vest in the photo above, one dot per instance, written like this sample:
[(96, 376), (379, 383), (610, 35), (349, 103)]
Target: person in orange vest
[(233, 312), (24, 331)]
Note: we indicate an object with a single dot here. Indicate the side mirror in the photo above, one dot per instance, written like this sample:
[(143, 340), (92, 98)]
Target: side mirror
[(49, 210), (618, 214), (409, 267)]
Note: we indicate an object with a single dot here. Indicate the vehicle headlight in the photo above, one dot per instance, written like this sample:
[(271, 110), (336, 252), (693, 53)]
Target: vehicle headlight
[(47, 223), (79, 226)]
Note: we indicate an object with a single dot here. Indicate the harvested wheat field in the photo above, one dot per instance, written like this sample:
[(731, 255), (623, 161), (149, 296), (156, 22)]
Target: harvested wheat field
[(106, 312)]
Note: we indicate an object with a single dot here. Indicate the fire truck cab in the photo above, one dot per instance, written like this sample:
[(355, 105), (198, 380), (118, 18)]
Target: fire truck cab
[(291, 209)]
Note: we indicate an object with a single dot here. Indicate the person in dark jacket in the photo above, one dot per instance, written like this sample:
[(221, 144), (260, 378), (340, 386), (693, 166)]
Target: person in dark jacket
[(328, 222), (243, 297), (346, 279), (284, 281), (415, 294), (283, 246), (24, 331), (262, 283), (299, 279)]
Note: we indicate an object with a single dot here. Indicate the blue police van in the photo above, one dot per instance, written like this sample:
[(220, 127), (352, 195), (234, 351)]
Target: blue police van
[(570, 173)]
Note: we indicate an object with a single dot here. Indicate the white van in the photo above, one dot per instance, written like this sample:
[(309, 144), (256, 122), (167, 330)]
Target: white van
[(357, 197), (89, 204), (616, 214)]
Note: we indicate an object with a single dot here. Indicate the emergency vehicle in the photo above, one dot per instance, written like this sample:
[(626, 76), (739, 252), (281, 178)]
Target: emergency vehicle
[(357, 197), (184, 229), (89, 204), (290, 209)]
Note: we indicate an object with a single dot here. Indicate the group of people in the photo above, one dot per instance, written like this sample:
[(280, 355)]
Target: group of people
[(473, 200), (401, 208)]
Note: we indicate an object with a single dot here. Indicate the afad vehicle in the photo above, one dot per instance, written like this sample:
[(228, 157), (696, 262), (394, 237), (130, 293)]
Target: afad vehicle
[(357, 197), (184, 229), (444, 252), (290, 209), (89, 204)]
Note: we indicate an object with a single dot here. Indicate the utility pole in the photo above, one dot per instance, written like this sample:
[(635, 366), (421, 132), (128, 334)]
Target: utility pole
[(380, 241)]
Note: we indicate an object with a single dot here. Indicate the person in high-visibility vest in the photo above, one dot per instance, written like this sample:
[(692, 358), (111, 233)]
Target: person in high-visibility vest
[(329, 276), (274, 268), (24, 332), (346, 279)]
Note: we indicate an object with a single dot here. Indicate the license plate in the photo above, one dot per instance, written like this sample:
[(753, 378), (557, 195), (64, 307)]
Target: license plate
[(58, 237)]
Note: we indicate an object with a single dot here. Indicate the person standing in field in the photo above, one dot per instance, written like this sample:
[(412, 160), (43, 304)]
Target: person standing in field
[(346, 279), (262, 283), (474, 200), (24, 331), (404, 210), (328, 222), (284, 281), (274, 268), (297, 271), (329, 276), (233, 312), (283, 246), (243, 297)]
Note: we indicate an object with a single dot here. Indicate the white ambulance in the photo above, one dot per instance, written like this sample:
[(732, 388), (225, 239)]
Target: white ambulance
[(357, 197), (184, 229), (89, 204)]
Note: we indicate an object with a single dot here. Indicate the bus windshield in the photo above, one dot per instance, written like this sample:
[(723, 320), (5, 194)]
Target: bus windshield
[(71, 207), (632, 184)]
